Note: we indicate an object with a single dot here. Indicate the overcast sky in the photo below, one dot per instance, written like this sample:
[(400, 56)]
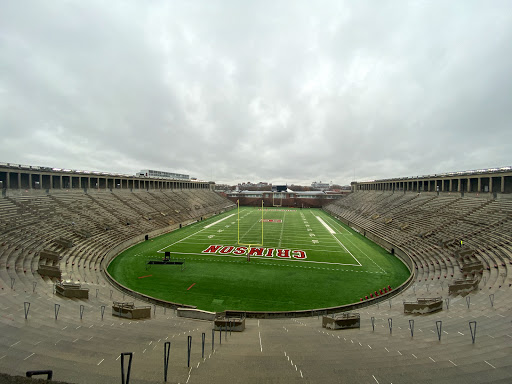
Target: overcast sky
[(277, 91)]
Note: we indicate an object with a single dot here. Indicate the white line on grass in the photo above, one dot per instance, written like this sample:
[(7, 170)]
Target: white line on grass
[(218, 221), (179, 241), (282, 229), (339, 242), (329, 229), (364, 253), (266, 258)]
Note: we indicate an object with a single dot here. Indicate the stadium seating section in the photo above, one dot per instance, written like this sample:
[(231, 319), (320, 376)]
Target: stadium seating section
[(82, 344)]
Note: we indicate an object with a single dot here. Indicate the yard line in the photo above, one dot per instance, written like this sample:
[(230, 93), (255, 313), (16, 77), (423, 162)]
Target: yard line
[(375, 379), (100, 362), (261, 347), (282, 229), (378, 266), (340, 243), (329, 229), (272, 259), (179, 241), (489, 364), (32, 354), (452, 362), (218, 221)]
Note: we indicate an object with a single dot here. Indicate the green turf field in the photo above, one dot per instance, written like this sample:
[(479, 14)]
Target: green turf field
[(308, 260)]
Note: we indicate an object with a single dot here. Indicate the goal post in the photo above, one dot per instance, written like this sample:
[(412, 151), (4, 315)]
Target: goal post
[(259, 243)]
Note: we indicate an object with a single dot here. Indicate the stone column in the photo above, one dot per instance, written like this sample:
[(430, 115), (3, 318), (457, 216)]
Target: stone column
[(490, 184), (479, 187), (8, 181), (451, 185), (502, 184), (459, 187), (468, 189)]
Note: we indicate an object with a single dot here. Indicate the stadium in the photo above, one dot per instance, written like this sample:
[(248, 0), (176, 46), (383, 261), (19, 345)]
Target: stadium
[(161, 279)]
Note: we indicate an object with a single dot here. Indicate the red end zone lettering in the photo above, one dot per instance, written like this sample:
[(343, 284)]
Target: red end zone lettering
[(240, 251), (212, 249), (256, 252), (226, 249), (299, 255), (284, 253)]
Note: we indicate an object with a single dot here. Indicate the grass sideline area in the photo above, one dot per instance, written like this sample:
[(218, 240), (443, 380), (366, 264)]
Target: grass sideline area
[(308, 260)]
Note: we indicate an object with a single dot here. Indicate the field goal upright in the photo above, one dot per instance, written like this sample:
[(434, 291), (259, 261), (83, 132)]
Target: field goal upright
[(274, 203), (249, 245)]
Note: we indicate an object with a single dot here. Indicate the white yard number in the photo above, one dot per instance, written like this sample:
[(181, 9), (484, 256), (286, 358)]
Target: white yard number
[(220, 230), (315, 241), (211, 236), (311, 234)]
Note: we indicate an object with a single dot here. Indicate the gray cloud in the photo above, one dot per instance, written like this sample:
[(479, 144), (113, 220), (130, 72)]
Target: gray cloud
[(285, 91)]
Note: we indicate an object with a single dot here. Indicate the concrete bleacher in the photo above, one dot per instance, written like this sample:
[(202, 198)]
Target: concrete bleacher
[(87, 349)]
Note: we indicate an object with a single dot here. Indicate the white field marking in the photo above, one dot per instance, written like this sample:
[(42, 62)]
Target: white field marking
[(252, 226), (432, 359), (15, 343), (2, 357), (329, 229), (364, 253), (336, 225), (179, 241), (261, 347), (267, 258), (375, 379), (485, 361), (32, 354), (414, 355), (100, 362), (195, 233), (301, 374), (452, 362), (339, 242), (282, 230)]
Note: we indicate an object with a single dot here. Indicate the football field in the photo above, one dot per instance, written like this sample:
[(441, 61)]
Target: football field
[(275, 259)]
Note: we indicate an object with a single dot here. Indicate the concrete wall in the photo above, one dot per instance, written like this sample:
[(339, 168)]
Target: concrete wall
[(196, 314), (423, 308)]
